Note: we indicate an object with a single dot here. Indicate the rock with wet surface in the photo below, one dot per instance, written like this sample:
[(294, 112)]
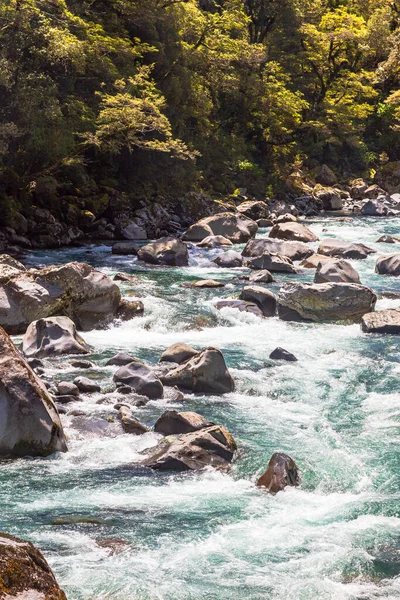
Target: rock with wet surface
[(382, 321), (207, 284), (65, 388), (129, 309), (374, 208), (235, 227), (129, 423), (340, 249), (9, 267), (173, 422), (229, 260), (254, 209), (213, 241), (25, 573), (120, 359), (178, 353), (264, 299), (86, 385), (125, 249), (277, 263), (210, 447), (29, 424), (336, 270), (241, 305), (293, 231), (282, 354), (281, 472), (388, 265), (81, 364), (204, 373), (165, 251), (141, 379), (325, 301), (53, 336), (292, 250), (124, 277), (263, 276), (314, 260)]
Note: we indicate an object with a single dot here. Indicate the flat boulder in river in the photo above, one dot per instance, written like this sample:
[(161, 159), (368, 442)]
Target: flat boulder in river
[(165, 251), (340, 249), (382, 321), (336, 270), (325, 301), (24, 572), (292, 250), (293, 231), (235, 227), (281, 472), (29, 423), (173, 422), (178, 353), (388, 265), (204, 373), (141, 379), (212, 446), (75, 290), (52, 337)]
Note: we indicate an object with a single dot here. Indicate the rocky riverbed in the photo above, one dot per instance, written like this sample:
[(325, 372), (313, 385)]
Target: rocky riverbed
[(302, 360)]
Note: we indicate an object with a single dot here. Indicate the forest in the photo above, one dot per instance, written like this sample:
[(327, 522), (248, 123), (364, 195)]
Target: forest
[(151, 99)]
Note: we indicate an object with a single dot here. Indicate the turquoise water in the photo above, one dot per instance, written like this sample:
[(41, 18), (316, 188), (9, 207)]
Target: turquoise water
[(216, 536)]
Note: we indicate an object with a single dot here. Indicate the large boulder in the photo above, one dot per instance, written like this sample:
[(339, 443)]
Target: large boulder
[(209, 447), (282, 471), (141, 379), (293, 231), (271, 262), (9, 267), (374, 208), (229, 260), (130, 230), (52, 337), (340, 249), (314, 260), (329, 197), (25, 573), (241, 305), (204, 373), (265, 299), (29, 423), (388, 265), (235, 227), (173, 422), (325, 301), (75, 290), (382, 321), (254, 209), (178, 353), (336, 270), (292, 250), (165, 251)]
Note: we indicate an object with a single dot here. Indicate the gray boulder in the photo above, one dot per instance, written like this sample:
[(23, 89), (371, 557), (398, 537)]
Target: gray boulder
[(129, 423), (314, 260), (374, 208), (204, 373), (292, 250), (325, 301), (173, 422), (213, 241), (282, 354), (382, 321), (9, 267), (261, 277), (210, 447), (86, 385), (67, 388), (254, 209), (29, 423), (271, 262), (329, 197), (340, 249), (293, 231), (265, 299), (125, 248), (242, 305), (52, 337), (141, 379), (388, 265), (388, 239), (120, 359), (165, 251), (336, 270), (178, 353), (235, 227), (229, 259)]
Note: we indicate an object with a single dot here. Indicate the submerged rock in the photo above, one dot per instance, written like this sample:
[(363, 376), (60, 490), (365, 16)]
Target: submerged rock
[(282, 354), (242, 305), (165, 251), (141, 379), (382, 321), (126, 278), (282, 471), (25, 573), (388, 239), (29, 423), (212, 446), (264, 299), (178, 353), (204, 373), (333, 247), (120, 359), (207, 283), (293, 231), (173, 422), (388, 265), (325, 301), (235, 227), (336, 270), (52, 337), (291, 250)]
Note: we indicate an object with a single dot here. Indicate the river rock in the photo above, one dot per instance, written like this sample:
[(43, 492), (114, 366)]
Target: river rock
[(120, 359), (178, 353), (125, 248), (388, 265), (213, 241), (264, 299), (173, 422), (282, 471), (165, 251), (66, 388), (141, 379), (25, 573), (336, 270), (74, 290), (29, 423), (229, 259), (131, 230), (271, 262), (261, 277), (207, 283), (81, 364), (388, 239), (286, 218), (242, 305), (333, 247), (86, 385), (126, 278), (129, 309), (204, 373), (254, 209), (293, 231), (329, 197), (9, 267), (212, 446), (235, 227), (324, 175), (129, 423), (382, 321), (325, 301), (52, 337), (292, 250), (374, 208), (314, 260), (282, 354)]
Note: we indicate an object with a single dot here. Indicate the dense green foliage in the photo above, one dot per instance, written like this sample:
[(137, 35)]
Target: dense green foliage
[(163, 96)]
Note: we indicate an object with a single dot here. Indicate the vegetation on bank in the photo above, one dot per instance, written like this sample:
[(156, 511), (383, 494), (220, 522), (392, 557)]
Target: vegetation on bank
[(157, 97)]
